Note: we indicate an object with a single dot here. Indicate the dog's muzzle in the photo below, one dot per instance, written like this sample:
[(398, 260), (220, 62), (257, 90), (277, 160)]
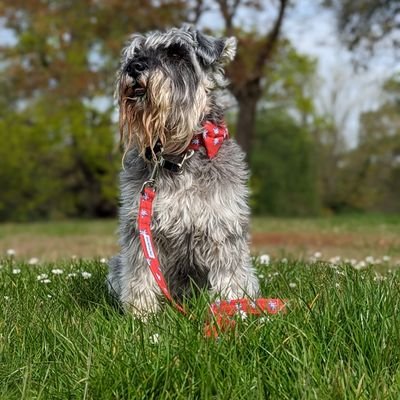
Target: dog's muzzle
[(138, 90)]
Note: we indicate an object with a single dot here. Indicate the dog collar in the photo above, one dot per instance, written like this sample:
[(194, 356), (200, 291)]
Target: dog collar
[(210, 137)]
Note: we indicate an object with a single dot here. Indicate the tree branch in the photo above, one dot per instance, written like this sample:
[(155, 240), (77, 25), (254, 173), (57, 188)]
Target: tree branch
[(198, 10), (272, 38), (228, 13)]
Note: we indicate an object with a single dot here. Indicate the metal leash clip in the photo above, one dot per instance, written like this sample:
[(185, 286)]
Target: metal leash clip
[(152, 180), (186, 157)]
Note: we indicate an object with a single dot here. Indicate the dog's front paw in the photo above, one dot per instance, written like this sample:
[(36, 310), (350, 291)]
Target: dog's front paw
[(231, 289), (142, 306)]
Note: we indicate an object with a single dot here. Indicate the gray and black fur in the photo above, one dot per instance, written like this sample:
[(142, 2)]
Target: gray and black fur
[(166, 87)]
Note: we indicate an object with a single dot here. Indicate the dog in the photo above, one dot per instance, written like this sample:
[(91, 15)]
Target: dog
[(168, 88)]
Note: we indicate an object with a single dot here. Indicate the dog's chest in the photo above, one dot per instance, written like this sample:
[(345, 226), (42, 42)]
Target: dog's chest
[(201, 202)]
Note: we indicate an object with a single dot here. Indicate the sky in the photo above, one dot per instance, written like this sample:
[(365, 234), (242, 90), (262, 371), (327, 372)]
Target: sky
[(311, 29)]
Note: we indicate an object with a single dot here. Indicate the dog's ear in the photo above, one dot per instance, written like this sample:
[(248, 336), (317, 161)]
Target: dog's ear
[(215, 51)]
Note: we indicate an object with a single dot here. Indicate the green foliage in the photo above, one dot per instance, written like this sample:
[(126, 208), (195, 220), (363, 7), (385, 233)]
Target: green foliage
[(283, 167), (371, 173), (58, 151), (291, 80), (57, 164), (66, 339)]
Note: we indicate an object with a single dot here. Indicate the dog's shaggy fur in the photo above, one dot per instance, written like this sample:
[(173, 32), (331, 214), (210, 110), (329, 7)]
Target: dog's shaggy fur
[(166, 88)]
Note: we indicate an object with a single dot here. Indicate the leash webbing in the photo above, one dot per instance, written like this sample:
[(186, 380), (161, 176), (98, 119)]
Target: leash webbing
[(146, 240), (220, 310)]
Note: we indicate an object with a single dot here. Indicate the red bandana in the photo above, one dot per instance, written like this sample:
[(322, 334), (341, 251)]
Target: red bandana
[(211, 137)]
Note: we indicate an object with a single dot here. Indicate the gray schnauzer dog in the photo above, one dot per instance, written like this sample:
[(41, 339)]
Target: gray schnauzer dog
[(167, 89)]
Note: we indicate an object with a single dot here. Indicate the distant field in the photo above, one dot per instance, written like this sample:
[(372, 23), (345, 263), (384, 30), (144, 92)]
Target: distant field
[(344, 236)]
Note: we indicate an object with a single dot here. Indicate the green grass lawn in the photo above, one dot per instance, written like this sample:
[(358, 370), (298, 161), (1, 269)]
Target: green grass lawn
[(66, 339)]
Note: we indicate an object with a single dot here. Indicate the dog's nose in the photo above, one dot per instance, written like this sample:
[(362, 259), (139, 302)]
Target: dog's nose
[(136, 66), (139, 66)]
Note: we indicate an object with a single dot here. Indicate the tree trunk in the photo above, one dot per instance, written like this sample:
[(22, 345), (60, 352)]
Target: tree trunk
[(247, 98)]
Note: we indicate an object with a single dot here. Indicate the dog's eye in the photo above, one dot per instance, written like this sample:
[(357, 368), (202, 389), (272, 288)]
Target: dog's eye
[(176, 51)]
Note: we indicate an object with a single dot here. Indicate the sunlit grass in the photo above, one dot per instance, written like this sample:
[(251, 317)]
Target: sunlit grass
[(64, 338)]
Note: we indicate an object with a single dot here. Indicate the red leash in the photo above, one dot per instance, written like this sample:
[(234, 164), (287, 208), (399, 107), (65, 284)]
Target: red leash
[(146, 240), (220, 310)]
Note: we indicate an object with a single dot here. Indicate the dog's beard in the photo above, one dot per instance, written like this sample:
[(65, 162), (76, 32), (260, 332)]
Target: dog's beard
[(162, 113)]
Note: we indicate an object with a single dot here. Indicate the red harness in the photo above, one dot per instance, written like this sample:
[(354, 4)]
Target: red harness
[(211, 138)]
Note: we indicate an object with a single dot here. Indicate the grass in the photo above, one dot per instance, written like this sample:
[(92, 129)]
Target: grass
[(66, 339)]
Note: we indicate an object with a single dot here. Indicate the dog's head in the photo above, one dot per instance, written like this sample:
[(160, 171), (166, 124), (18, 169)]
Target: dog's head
[(164, 85)]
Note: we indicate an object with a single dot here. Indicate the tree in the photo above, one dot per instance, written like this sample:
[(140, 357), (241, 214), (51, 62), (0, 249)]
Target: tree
[(247, 73), (371, 172), (284, 174), (58, 146), (283, 161), (364, 24)]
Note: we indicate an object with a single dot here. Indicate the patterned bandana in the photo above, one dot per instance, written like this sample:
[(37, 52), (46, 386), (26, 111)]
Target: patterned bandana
[(211, 138)]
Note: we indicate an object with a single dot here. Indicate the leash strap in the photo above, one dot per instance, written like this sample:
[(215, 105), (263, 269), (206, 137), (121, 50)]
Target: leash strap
[(211, 138), (146, 240), (221, 309)]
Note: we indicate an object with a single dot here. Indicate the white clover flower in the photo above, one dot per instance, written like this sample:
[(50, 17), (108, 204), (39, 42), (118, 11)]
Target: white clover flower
[(41, 277), (45, 281), (261, 276), (103, 260), (340, 272), (242, 314), (369, 259), (360, 265), (154, 339), (335, 260), (71, 275), (265, 259), (33, 261), (386, 258), (284, 260), (57, 271), (11, 252), (86, 275), (16, 271), (292, 285), (353, 262), (317, 254)]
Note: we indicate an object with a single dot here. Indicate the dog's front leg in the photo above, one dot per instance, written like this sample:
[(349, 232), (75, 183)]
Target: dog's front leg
[(231, 274), (139, 292)]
